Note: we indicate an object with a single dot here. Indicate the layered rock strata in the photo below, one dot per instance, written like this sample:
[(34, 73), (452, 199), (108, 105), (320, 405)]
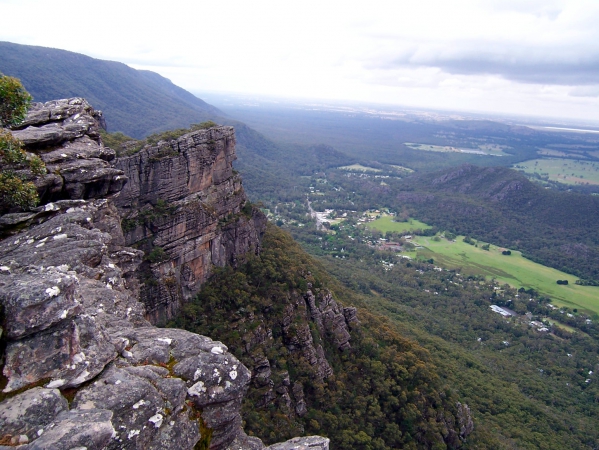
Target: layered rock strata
[(64, 133), (81, 365), (185, 201)]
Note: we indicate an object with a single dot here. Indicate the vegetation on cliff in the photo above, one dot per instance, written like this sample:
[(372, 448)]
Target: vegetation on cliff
[(15, 189), (384, 392)]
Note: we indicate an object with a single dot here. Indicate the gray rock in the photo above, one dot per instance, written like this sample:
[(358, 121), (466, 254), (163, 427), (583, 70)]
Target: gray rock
[(90, 429), (37, 301), (201, 371), (142, 412), (69, 355), (30, 412), (331, 317), (465, 422), (302, 443), (77, 164), (246, 443), (69, 289), (204, 226)]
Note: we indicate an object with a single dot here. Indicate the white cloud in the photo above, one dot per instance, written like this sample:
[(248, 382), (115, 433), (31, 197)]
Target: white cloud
[(532, 57)]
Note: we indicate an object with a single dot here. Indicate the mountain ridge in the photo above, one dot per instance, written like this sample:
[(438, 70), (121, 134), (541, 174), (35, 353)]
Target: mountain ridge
[(137, 102)]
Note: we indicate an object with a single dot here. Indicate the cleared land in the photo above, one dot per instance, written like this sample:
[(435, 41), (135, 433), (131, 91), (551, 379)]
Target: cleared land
[(402, 168), (568, 171), (359, 168), (489, 150), (513, 270), (551, 152), (386, 223)]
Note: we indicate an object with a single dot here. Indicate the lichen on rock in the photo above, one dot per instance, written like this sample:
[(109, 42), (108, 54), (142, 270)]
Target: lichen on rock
[(82, 366)]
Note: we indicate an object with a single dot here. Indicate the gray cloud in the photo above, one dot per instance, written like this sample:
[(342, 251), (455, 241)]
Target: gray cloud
[(585, 91), (545, 65), (561, 73)]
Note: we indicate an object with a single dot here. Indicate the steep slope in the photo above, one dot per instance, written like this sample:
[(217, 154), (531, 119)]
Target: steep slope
[(81, 366), (135, 102), (317, 365), (184, 205)]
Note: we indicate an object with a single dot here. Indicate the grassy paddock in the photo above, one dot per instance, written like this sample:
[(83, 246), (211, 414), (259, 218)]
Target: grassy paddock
[(514, 270), (405, 169), (568, 171), (493, 150), (359, 168), (386, 223)]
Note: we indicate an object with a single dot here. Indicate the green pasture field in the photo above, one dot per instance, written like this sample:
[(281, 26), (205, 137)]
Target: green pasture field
[(402, 168), (481, 150), (359, 168), (568, 171), (552, 152), (386, 223), (514, 270)]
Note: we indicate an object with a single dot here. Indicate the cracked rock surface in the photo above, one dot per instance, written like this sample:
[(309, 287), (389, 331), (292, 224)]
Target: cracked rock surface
[(82, 366)]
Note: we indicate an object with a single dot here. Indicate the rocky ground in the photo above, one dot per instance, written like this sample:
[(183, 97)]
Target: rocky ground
[(82, 365)]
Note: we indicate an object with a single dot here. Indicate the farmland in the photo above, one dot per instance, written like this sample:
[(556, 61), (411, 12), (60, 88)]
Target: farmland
[(359, 168), (514, 270), (489, 150), (386, 223), (568, 171)]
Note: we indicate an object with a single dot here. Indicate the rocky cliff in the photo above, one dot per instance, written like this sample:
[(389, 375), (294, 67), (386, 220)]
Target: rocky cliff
[(184, 204), (82, 367)]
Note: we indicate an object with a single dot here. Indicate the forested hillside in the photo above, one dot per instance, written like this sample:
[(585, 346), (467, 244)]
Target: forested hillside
[(135, 102), (260, 310), (525, 389)]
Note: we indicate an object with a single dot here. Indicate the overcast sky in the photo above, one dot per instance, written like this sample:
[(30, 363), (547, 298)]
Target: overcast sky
[(505, 56)]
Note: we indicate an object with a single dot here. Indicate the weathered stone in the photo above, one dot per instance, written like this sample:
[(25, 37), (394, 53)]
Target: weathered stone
[(302, 443), (77, 163), (245, 442), (204, 225), (351, 315), (30, 412), (331, 317), (68, 355), (144, 403), (34, 302), (90, 429), (465, 422), (298, 395), (59, 120), (69, 291)]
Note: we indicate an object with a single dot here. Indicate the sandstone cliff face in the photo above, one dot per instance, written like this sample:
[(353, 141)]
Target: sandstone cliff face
[(81, 365), (184, 199)]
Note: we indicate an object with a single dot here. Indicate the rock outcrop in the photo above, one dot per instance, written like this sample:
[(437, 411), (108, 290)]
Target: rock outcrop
[(185, 201), (65, 135), (82, 367), (308, 321)]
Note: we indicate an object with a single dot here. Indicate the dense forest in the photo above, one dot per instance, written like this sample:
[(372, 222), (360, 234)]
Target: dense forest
[(396, 402), (503, 369)]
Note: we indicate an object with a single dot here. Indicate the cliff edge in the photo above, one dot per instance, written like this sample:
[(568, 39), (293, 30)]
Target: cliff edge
[(185, 206), (82, 366)]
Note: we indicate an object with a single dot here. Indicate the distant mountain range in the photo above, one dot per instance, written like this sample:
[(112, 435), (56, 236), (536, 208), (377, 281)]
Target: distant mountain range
[(140, 102), (136, 102)]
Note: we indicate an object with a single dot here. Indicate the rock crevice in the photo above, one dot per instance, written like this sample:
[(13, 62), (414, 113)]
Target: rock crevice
[(82, 366)]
